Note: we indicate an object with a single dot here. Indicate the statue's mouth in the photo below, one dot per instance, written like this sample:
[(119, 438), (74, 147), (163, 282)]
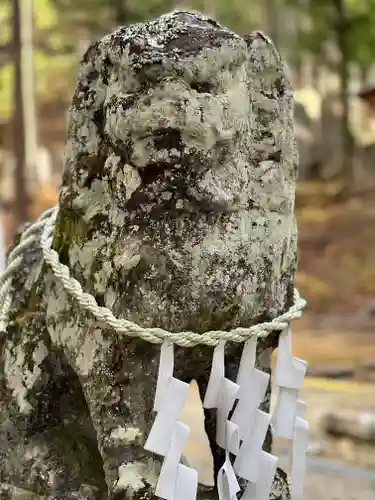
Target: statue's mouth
[(187, 181), (168, 138)]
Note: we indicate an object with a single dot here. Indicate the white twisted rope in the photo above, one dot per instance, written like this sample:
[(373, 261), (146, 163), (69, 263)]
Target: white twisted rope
[(42, 231), (14, 261)]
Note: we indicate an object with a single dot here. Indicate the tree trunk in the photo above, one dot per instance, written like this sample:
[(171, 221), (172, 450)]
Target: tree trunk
[(176, 211), (120, 14), (271, 19), (32, 177), (21, 202), (343, 34), (364, 71)]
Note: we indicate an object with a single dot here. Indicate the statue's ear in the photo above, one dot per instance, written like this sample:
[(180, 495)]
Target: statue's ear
[(272, 102), (265, 55), (259, 36)]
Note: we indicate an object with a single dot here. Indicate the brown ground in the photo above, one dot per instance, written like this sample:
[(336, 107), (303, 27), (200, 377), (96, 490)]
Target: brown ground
[(334, 486), (334, 348), (337, 257)]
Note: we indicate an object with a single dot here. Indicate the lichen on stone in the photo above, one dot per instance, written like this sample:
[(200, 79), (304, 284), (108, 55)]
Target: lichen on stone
[(176, 211)]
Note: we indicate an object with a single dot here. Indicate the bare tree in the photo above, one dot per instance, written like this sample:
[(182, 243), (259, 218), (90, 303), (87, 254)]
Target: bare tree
[(29, 113), (22, 200), (342, 36)]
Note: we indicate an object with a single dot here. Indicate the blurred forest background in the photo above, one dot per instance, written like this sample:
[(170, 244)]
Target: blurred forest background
[(330, 49)]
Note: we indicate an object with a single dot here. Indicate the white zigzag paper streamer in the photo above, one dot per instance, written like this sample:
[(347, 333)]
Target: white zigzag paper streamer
[(243, 435), (159, 439), (290, 373), (252, 463), (298, 452), (221, 394), (211, 398), (253, 387), (165, 374), (169, 471), (247, 463), (288, 421), (168, 436), (260, 490), (187, 483), (227, 397), (227, 484)]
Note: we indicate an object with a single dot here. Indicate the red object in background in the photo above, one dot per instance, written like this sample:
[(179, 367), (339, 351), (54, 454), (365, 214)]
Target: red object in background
[(367, 94), (7, 223)]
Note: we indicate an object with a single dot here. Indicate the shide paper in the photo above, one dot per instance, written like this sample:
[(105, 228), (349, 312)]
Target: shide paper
[(227, 396), (187, 483), (169, 471), (211, 398), (285, 412), (227, 483), (165, 372), (288, 421), (159, 439), (247, 363), (252, 393), (221, 394), (260, 489), (253, 386), (241, 436), (290, 373), (247, 463), (298, 452), (168, 436), (252, 463)]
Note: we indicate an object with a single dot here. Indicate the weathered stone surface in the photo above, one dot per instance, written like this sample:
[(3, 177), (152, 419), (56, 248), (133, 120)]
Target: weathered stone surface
[(176, 211)]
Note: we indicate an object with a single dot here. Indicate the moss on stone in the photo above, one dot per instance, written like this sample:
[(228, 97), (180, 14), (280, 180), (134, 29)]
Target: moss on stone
[(78, 454), (69, 228), (176, 211)]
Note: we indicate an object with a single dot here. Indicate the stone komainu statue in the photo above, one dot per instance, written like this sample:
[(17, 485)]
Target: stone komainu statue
[(176, 211)]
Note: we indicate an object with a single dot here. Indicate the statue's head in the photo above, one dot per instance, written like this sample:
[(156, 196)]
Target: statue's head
[(178, 188), (178, 112)]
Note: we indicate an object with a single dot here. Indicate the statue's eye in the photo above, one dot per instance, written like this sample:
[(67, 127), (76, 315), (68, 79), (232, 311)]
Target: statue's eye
[(167, 138), (202, 87)]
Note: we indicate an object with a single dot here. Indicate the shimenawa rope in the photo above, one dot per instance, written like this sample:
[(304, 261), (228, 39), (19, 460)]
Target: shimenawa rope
[(42, 231)]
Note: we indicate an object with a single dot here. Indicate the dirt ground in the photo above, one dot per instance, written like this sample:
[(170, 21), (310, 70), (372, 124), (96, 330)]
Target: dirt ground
[(336, 244), (333, 346), (325, 485)]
